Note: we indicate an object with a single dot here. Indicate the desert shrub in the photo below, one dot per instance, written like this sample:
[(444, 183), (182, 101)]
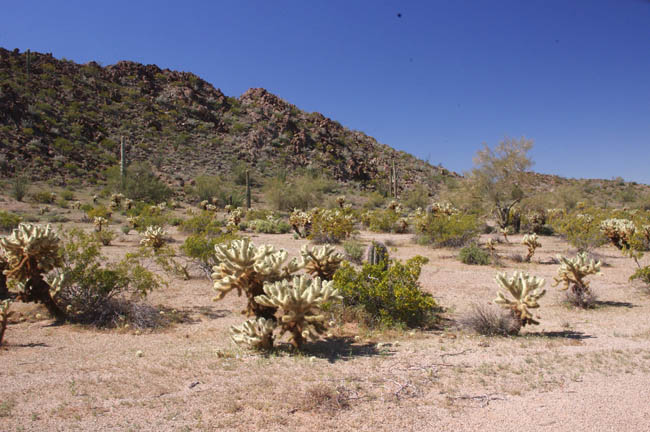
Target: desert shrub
[(331, 226), (141, 184), (416, 197), (207, 187), (643, 274), (125, 229), (391, 295), (8, 220), (446, 230), (67, 195), (302, 192), (381, 220), (103, 295), (353, 251), (269, 226), (200, 248), (581, 229), (490, 321), (473, 254), (104, 237), (254, 214), (205, 222), (375, 200), (97, 212), (19, 187), (43, 197), (148, 215)]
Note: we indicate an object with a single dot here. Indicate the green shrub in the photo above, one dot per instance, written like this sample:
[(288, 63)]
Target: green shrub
[(268, 226), (67, 195), (98, 212), (105, 236), (19, 187), (140, 183), (148, 215), (331, 226), (381, 220), (353, 251), (581, 229), (8, 221), (416, 197), (643, 274), (101, 295), (205, 222), (207, 187), (473, 254), (303, 192), (392, 295), (200, 248), (446, 231), (43, 197)]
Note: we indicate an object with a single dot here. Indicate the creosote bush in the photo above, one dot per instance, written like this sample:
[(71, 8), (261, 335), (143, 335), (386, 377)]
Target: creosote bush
[(442, 230), (473, 254), (391, 294), (8, 220)]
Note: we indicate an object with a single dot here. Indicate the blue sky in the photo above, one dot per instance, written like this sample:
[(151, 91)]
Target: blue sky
[(438, 82)]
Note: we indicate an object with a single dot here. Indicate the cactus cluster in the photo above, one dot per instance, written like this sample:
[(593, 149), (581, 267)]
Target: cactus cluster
[(340, 200), (441, 209), (116, 201), (298, 303), (525, 291), (261, 274), (618, 231), (31, 251), (572, 273), (321, 262), (154, 237), (300, 222), (532, 243)]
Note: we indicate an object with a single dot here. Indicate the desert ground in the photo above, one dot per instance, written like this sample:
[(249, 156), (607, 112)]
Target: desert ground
[(579, 370)]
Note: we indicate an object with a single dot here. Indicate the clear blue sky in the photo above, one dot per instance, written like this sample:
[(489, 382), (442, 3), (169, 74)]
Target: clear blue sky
[(445, 77)]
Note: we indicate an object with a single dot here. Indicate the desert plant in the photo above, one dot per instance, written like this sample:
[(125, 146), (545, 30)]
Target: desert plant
[(31, 252), (4, 291), (8, 221), (321, 262), (391, 294), (255, 333), (473, 255), (642, 274), (525, 291), (331, 226), (353, 251), (572, 273), (245, 268), (99, 223), (4, 317), (270, 225), (298, 303), (19, 187), (491, 321), (531, 242), (618, 231), (154, 237), (377, 254), (453, 230), (301, 223), (105, 237)]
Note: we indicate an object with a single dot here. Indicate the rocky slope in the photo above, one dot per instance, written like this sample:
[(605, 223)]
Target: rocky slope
[(60, 120)]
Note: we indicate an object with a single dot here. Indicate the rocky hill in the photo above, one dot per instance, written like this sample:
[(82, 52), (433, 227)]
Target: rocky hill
[(60, 119)]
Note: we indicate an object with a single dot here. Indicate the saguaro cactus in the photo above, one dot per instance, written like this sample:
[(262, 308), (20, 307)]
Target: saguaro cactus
[(248, 190), (525, 290), (299, 302), (31, 252)]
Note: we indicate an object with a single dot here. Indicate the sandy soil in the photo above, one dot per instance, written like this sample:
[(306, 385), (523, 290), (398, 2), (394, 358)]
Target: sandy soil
[(577, 371)]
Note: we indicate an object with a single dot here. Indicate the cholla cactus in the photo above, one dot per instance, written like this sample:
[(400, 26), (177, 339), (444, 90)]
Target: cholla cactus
[(95, 199), (490, 245), (211, 207), (572, 273), (128, 204), (340, 200), (154, 237), (441, 209), (235, 216), (254, 333), (299, 302), (32, 251), (245, 268), (204, 204), (76, 205), (585, 218), (99, 223), (134, 221), (394, 205), (505, 231), (4, 317), (228, 208), (530, 240), (401, 225), (525, 290), (322, 262), (116, 201), (618, 231), (301, 222)]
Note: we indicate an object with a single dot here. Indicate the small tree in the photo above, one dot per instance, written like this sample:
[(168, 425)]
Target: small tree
[(498, 176)]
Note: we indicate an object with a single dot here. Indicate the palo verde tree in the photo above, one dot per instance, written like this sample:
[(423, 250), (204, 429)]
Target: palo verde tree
[(498, 178)]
